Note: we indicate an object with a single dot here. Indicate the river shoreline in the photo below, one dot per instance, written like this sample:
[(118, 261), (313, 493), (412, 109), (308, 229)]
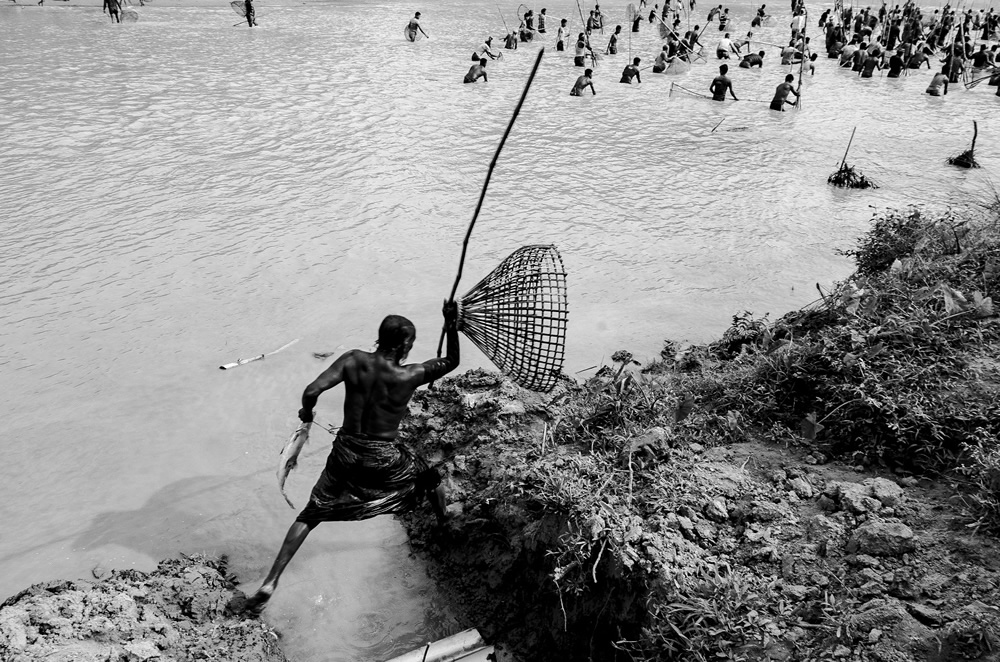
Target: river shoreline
[(818, 488)]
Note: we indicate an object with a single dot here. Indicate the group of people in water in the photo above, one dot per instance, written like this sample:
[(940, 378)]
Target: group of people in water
[(896, 40)]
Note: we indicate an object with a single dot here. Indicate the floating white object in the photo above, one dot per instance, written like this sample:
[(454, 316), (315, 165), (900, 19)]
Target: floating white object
[(240, 362), (467, 646)]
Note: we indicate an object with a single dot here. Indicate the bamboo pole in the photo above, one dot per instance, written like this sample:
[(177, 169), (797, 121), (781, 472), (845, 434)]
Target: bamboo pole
[(489, 173)]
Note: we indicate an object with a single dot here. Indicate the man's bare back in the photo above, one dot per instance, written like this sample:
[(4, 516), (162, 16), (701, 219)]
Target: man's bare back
[(377, 390)]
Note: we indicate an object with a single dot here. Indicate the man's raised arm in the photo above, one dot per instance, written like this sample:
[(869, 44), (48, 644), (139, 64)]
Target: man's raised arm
[(437, 368), (327, 380)]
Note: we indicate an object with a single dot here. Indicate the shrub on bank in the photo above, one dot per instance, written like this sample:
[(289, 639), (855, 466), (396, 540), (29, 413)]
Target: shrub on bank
[(886, 368)]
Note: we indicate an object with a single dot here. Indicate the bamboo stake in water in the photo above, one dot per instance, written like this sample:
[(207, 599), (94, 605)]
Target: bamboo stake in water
[(843, 162)]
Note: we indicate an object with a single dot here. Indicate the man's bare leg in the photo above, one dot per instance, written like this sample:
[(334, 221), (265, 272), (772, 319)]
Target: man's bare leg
[(293, 540), (439, 504)]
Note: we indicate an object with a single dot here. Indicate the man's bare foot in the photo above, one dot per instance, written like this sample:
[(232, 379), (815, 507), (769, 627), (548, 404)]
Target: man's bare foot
[(252, 606)]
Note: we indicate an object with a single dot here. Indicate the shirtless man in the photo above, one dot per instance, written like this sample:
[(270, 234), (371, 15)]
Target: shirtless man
[(476, 72), (413, 26), (781, 94), (582, 83), (751, 60), (368, 472), (939, 81), (631, 71), (510, 41), (612, 48), (721, 84)]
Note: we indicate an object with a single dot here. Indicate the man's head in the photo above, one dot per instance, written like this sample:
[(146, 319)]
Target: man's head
[(636, 61), (588, 73), (417, 15), (727, 36), (489, 40), (396, 334), (789, 78), (563, 22), (482, 62), (760, 53), (723, 69)]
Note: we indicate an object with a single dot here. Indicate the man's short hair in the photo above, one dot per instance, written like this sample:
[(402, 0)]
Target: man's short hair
[(482, 62), (394, 331), (588, 73), (789, 78), (723, 69)]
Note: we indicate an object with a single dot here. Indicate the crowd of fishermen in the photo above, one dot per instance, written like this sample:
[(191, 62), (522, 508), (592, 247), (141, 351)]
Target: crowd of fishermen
[(896, 40), (906, 38)]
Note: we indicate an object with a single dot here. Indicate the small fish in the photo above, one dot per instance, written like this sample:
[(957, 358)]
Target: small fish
[(290, 456)]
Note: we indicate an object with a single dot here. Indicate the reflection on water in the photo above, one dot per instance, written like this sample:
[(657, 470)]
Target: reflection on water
[(179, 193)]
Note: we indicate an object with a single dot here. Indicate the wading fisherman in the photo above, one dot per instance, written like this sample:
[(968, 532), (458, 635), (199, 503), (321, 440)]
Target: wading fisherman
[(561, 36), (613, 42), (413, 26), (751, 60), (369, 472), (485, 48), (541, 21), (251, 14), (582, 83), (781, 94), (476, 72), (114, 10), (631, 71), (939, 82), (720, 84)]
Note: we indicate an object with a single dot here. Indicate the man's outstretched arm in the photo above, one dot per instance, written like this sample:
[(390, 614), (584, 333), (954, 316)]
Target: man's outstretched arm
[(327, 380), (437, 368)]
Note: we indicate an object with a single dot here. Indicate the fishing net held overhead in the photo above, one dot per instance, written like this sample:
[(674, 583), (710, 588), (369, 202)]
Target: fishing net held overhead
[(517, 316)]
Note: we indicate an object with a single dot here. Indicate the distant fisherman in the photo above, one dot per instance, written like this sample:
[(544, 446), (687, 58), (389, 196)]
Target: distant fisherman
[(580, 59), (484, 48), (751, 60), (413, 26), (561, 36), (114, 9), (510, 41), (476, 72), (582, 83), (631, 71), (781, 94), (251, 14), (613, 43), (939, 81), (541, 21), (721, 84)]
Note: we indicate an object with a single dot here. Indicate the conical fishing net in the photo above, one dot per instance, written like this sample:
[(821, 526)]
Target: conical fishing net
[(517, 316)]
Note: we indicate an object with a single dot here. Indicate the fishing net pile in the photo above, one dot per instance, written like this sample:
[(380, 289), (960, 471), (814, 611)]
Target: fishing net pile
[(517, 316)]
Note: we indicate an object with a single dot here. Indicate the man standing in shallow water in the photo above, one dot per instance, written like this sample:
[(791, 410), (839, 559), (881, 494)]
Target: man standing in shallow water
[(720, 84), (368, 472)]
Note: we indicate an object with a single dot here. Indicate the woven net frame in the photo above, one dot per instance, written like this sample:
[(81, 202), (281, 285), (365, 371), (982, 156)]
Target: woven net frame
[(517, 316)]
